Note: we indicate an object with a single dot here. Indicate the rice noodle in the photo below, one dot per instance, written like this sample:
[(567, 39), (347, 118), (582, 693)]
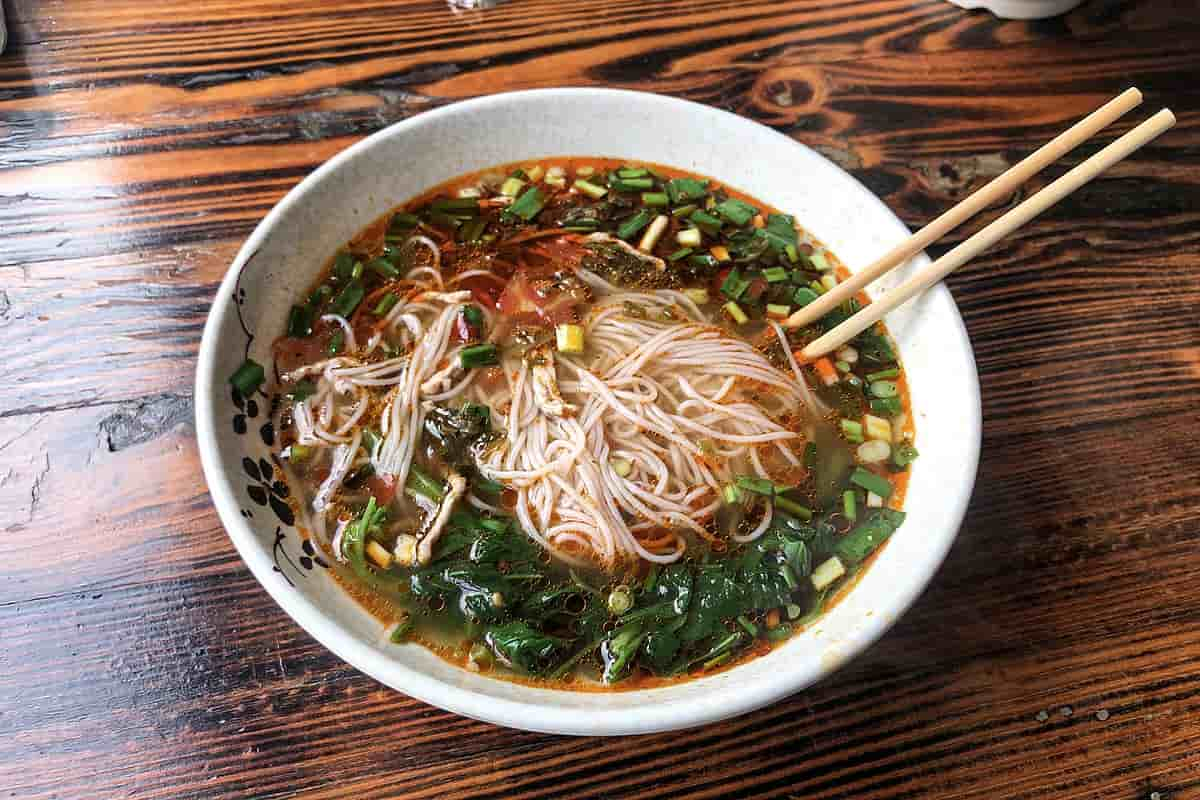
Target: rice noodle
[(682, 406)]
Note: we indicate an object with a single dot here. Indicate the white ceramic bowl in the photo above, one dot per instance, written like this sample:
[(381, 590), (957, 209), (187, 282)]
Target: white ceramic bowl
[(283, 255)]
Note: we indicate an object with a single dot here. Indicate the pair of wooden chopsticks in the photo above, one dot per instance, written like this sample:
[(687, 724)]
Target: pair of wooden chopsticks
[(985, 238)]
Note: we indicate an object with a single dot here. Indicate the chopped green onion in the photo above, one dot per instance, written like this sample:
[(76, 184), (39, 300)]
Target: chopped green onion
[(473, 315), (735, 311), (736, 212), (686, 189), (620, 600), (384, 268), (528, 205), (403, 628), (850, 505), (883, 374), (753, 484), (734, 285), (473, 230), (343, 264), (887, 406), (479, 355), (776, 311), (903, 455), (684, 211), (422, 483), (698, 296), (792, 254), (706, 222), (682, 252), (335, 342), (248, 377), (732, 494), (871, 482), (884, 389), (386, 304), (703, 260), (803, 296), (688, 237), (775, 274), (357, 271), (631, 226), (347, 300), (623, 467), (792, 507), (511, 187), (403, 220), (633, 172), (299, 453), (842, 366), (456, 205), (300, 322), (590, 189), (827, 572), (819, 261), (630, 184), (748, 626), (853, 431), (656, 199), (302, 389)]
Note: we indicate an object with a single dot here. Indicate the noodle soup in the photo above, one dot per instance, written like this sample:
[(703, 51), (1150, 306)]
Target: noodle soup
[(548, 422)]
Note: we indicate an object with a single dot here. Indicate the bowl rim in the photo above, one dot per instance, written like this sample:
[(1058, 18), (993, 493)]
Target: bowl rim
[(538, 717)]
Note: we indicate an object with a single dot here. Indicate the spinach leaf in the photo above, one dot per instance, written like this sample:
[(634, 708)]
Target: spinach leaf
[(717, 596), (674, 586), (519, 646), (455, 431), (659, 649), (618, 650)]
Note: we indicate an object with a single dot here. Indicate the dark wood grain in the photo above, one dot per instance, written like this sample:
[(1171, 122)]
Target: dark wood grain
[(1053, 656)]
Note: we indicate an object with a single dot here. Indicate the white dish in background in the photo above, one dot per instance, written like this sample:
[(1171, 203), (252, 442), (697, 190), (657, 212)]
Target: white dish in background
[(286, 251), (1021, 9)]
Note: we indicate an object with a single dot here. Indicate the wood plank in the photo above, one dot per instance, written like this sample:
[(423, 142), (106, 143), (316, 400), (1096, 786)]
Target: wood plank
[(948, 688)]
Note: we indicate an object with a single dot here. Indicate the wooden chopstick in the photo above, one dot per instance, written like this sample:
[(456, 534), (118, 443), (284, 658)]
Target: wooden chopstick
[(997, 189), (991, 234)]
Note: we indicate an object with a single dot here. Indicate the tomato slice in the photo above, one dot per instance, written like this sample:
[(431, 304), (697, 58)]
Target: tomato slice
[(383, 487), (534, 302)]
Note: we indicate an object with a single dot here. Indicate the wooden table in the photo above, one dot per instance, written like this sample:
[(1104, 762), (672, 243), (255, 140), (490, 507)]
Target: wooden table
[(1056, 654)]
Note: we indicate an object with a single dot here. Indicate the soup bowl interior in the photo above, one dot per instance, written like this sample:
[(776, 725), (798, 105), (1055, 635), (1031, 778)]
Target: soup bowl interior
[(285, 254)]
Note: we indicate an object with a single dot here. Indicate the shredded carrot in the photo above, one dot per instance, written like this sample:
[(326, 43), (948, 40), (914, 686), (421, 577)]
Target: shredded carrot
[(826, 371), (759, 222)]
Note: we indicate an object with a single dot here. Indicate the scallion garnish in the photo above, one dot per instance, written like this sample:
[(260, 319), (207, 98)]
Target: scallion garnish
[(634, 224), (734, 285), (775, 274), (736, 212), (706, 222), (473, 315), (803, 296), (590, 189), (655, 199), (883, 374), (248, 377), (871, 482), (681, 253), (479, 355), (347, 300), (683, 190), (528, 205), (903, 455), (386, 304), (300, 321), (384, 268), (684, 211)]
